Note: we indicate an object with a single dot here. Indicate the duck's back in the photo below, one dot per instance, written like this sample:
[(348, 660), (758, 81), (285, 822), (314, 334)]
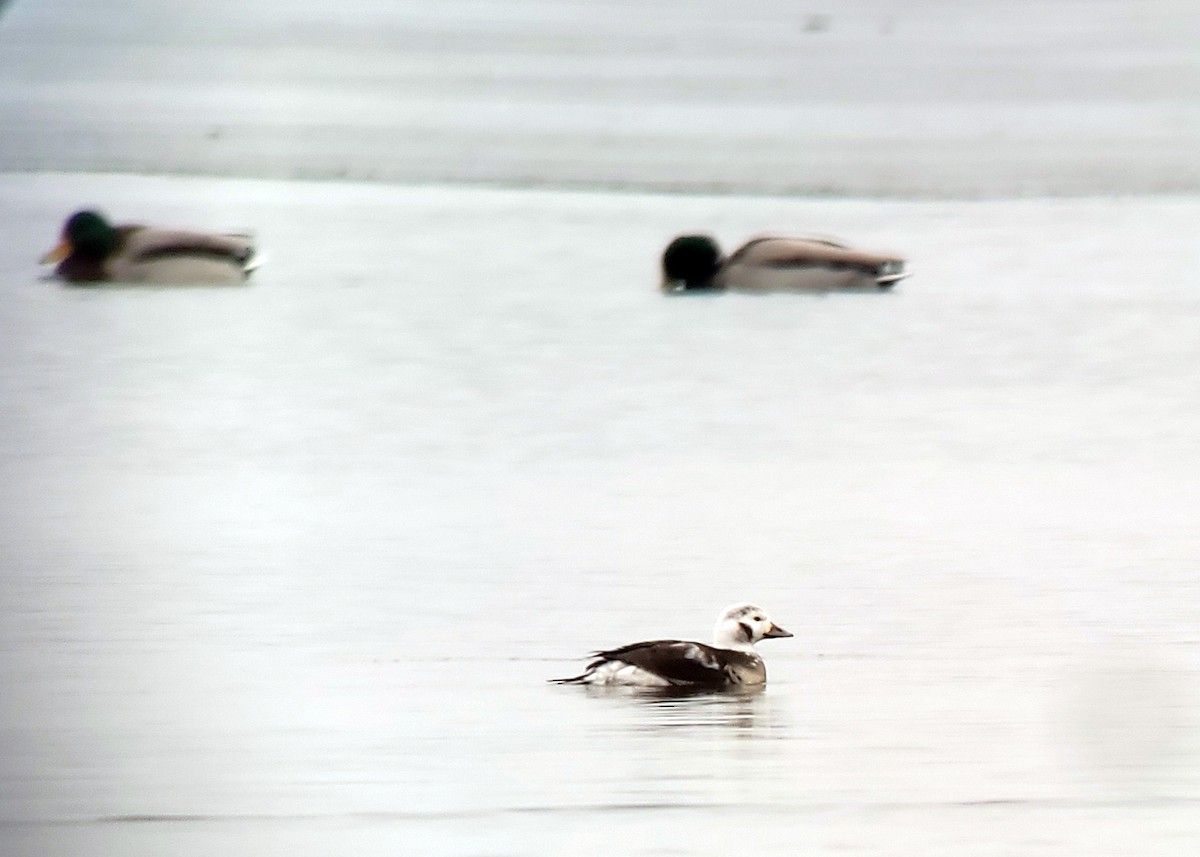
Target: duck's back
[(676, 663), (780, 264)]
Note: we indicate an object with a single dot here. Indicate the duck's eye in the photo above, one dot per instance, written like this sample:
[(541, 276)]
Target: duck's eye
[(758, 619)]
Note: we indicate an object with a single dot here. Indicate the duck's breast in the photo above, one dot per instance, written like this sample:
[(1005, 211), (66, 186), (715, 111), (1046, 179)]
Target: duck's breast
[(747, 671)]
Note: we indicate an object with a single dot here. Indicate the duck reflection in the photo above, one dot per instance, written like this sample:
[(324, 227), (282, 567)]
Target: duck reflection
[(745, 711)]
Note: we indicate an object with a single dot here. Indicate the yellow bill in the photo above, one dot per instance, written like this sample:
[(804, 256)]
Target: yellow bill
[(61, 251)]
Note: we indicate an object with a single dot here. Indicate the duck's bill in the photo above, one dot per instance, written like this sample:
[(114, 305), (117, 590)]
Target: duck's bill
[(776, 631), (61, 251)]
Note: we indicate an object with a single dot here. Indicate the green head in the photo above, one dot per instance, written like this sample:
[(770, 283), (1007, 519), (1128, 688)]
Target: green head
[(90, 235), (690, 262)]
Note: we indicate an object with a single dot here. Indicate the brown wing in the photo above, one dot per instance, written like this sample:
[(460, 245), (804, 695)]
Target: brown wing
[(676, 661)]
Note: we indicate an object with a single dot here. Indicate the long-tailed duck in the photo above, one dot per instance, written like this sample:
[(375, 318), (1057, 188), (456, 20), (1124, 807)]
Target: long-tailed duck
[(776, 264), (729, 662), (93, 250)]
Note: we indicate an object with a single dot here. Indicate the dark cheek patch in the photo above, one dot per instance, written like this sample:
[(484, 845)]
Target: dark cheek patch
[(746, 632)]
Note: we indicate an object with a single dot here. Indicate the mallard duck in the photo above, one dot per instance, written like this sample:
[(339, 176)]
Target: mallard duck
[(776, 263), (730, 661), (93, 250)]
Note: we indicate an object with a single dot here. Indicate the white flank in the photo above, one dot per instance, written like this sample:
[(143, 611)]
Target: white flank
[(619, 672)]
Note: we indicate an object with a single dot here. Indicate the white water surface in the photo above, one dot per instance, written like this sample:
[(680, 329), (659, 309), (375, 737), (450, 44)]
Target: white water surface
[(286, 566)]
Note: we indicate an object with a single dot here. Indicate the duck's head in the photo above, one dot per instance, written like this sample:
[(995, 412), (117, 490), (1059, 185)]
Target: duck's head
[(86, 234), (690, 262), (740, 626)]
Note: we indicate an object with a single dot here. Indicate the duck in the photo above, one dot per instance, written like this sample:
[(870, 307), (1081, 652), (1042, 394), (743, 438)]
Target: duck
[(93, 250), (730, 662), (777, 263)]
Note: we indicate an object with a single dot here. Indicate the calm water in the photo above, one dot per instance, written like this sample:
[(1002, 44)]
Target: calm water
[(285, 567)]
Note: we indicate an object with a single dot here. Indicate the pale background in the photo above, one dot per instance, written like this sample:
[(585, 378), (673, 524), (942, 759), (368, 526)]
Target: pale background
[(284, 568)]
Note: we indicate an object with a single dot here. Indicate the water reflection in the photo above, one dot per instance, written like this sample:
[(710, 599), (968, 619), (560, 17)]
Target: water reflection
[(743, 712)]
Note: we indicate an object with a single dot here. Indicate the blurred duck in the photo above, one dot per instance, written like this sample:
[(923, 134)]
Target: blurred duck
[(92, 250), (730, 661), (776, 264)]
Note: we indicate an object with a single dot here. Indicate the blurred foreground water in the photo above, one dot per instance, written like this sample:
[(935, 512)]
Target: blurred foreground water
[(285, 567)]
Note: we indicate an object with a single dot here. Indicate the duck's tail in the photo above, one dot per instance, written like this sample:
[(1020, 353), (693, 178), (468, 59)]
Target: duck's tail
[(575, 679), (583, 677)]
